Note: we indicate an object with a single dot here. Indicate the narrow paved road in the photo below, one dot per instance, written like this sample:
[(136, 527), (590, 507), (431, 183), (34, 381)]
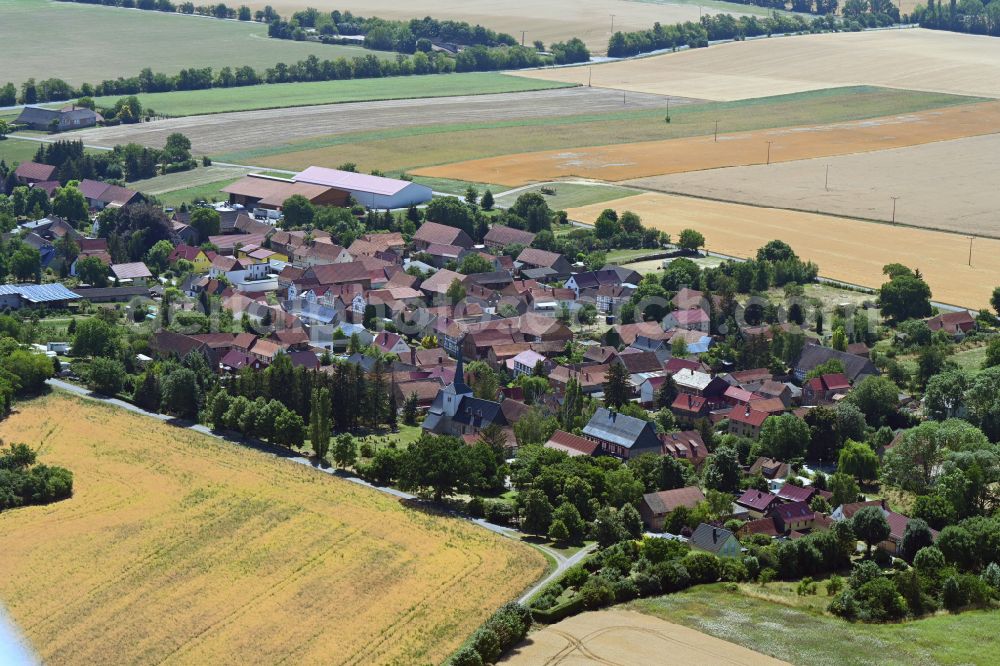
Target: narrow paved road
[(562, 562)]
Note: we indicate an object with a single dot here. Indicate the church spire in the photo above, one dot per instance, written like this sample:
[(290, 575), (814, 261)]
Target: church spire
[(459, 385)]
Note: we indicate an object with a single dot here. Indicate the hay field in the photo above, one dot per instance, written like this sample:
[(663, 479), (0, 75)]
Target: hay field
[(83, 43), (848, 250), (944, 185), (626, 637), (914, 59), (223, 132), (636, 160), (177, 547), (555, 20)]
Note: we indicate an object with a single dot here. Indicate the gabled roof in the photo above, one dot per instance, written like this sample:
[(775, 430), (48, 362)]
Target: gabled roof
[(34, 171), (131, 271), (540, 258), (757, 500), (639, 361), (712, 539), (793, 511), (440, 281), (666, 501), (791, 493), (814, 355), (433, 233), (617, 428), (349, 180), (692, 379), (573, 445), (752, 417), (504, 235), (351, 271), (272, 191)]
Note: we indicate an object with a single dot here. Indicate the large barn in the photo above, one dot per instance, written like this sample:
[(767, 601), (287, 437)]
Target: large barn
[(259, 191), (369, 191)]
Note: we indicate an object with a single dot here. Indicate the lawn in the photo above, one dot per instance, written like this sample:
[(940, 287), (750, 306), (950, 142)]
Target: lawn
[(202, 183), (407, 148), (180, 547), (778, 623), (570, 195), (971, 359), (279, 95), (15, 150), (449, 186), (164, 42)]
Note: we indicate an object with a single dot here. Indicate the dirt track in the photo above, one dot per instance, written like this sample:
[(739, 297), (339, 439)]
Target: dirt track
[(619, 637), (227, 132), (848, 250), (861, 185), (915, 59), (651, 158)]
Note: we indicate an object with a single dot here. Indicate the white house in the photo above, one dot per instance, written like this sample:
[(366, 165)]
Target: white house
[(370, 191), (524, 363)]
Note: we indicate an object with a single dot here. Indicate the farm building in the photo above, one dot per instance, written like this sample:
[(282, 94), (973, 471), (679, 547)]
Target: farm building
[(16, 296), (258, 191), (370, 191), (101, 195), (66, 118)]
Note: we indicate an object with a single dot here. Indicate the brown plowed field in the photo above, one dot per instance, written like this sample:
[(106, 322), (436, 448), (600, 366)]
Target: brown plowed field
[(650, 158), (914, 59), (861, 185), (241, 130), (848, 250), (620, 637)]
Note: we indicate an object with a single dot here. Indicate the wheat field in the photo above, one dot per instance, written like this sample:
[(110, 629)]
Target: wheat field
[(180, 548)]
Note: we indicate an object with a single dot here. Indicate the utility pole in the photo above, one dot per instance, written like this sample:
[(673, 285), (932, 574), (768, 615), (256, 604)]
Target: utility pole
[(623, 98), (522, 37), (590, 75), (716, 131), (612, 24), (894, 209), (971, 238), (769, 151), (826, 183)]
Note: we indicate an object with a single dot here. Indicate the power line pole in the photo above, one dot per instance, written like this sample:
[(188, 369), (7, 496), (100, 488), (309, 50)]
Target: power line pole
[(894, 209), (769, 152), (522, 37), (590, 75), (612, 24), (716, 131), (971, 238), (826, 183)]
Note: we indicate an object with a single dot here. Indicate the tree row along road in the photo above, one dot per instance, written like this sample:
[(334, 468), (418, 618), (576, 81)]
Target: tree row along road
[(562, 562)]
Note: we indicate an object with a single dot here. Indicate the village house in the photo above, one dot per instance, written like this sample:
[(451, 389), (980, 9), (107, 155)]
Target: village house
[(655, 507), (500, 236), (825, 389), (757, 503), (792, 516), (572, 445), (432, 233), (531, 258), (67, 118), (201, 262), (621, 436), (29, 173), (685, 445), (956, 324), (715, 540), (856, 368)]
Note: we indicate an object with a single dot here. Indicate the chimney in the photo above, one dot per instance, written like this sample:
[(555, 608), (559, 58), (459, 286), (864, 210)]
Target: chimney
[(715, 535), (413, 355), (690, 400)]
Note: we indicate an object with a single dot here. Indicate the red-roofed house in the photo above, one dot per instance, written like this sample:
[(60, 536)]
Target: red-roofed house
[(757, 503), (822, 389), (693, 319), (572, 445), (655, 507), (746, 421), (792, 516), (432, 233), (685, 445), (790, 493), (689, 408), (27, 173), (955, 324)]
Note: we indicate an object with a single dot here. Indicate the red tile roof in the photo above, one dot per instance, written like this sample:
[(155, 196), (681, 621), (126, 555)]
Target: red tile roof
[(34, 171), (757, 500), (666, 501), (572, 444), (791, 493)]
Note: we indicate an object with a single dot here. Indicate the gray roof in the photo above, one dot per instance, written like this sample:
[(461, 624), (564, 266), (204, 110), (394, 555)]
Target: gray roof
[(620, 429), (39, 293), (479, 413), (814, 355), (707, 537)]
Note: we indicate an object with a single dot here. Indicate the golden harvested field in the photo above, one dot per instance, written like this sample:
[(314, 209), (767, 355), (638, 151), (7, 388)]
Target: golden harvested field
[(915, 59), (178, 547), (649, 158), (627, 637), (860, 185), (555, 20), (848, 250)]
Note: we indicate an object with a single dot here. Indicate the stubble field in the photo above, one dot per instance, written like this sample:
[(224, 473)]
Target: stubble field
[(786, 144), (83, 43), (944, 185), (848, 250), (626, 637), (915, 59), (177, 547)]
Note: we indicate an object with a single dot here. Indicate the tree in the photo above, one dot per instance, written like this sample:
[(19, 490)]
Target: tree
[(858, 460), (690, 240), (995, 300), (437, 463), (474, 263), (177, 148), (844, 488), (916, 536), (105, 375), (345, 451), (319, 422), (410, 406), (158, 256), (784, 437), (992, 353), (26, 264), (181, 394), (722, 471), (876, 397), (456, 292), (616, 385), (297, 211), (944, 396), (69, 204), (536, 512), (776, 250), (983, 402), (147, 393), (569, 516), (471, 195), (486, 203), (207, 222), (92, 271), (94, 337), (870, 525), (905, 296), (608, 529)]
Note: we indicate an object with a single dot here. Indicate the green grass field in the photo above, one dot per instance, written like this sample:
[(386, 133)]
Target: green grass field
[(571, 195), (412, 147), (89, 43), (202, 183), (777, 622), (15, 150), (970, 359), (280, 95)]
